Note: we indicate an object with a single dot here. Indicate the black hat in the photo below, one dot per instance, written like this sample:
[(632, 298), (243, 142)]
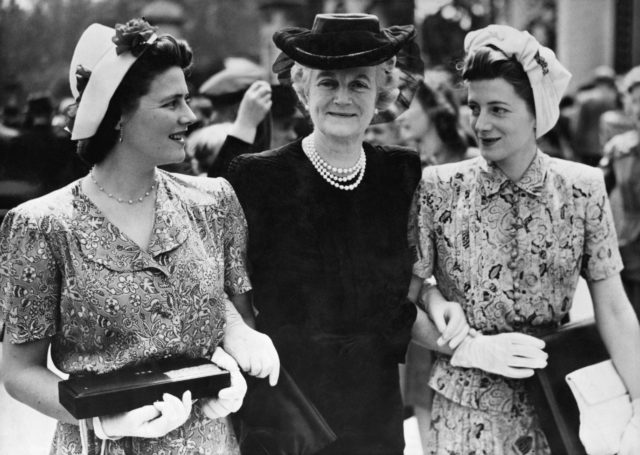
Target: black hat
[(339, 41)]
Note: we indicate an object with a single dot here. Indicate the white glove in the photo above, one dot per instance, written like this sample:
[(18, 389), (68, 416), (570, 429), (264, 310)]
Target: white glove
[(230, 399), (254, 351), (151, 421), (513, 355), (630, 441)]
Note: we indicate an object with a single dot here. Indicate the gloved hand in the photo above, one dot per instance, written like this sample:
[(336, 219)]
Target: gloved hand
[(450, 320), (151, 421), (254, 351), (230, 399), (630, 441), (513, 355)]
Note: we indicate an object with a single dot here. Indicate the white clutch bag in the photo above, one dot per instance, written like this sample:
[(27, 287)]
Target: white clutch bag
[(604, 405)]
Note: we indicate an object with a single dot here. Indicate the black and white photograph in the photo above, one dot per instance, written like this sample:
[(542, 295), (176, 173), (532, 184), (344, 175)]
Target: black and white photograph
[(320, 227)]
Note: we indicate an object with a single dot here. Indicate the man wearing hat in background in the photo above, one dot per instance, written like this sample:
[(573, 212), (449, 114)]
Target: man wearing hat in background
[(263, 116)]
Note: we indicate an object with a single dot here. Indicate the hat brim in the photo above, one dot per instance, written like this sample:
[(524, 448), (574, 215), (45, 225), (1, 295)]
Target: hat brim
[(106, 77), (344, 49), (368, 51), (97, 53)]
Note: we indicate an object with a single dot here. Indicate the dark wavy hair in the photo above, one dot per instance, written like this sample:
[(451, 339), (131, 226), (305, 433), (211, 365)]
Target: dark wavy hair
[(164, 53), (442, 110), (491, 63)]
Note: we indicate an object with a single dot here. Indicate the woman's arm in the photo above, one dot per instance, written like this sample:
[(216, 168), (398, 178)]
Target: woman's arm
[(254, 351), (28, 380), (242, 303), (450, 326), (620, 331), (619, 328)]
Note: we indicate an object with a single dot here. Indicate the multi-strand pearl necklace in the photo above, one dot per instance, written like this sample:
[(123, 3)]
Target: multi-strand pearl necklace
[(117, 198), (335, 176)]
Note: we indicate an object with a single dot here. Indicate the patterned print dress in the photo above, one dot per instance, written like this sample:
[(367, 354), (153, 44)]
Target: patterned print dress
[(68, 274), (511, 255)]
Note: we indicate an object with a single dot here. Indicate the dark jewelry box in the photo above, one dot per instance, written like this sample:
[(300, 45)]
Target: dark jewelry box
[(94, 395)]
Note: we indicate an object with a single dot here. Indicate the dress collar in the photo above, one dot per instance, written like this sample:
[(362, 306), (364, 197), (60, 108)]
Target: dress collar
[(170, 230), (492, 180)]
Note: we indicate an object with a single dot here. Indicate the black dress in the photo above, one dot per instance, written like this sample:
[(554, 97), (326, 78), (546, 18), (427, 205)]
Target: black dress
[(330, 271)]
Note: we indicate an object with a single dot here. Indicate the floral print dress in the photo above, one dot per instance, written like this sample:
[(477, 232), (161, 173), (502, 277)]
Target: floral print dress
[(68, 274), (511, 255)]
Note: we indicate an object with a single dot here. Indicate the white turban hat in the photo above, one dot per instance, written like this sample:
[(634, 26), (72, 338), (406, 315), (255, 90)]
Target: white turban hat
[(548, 78)]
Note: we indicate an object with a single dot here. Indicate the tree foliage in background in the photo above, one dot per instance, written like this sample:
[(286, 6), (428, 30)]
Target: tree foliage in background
[(36, 45)]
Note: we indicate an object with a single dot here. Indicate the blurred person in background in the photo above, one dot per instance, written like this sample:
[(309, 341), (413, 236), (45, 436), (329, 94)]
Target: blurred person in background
[(383, 134), (248, 132), (618, 120), (601, 96), (284, 115), (130, 263), (28, 162), (621, 166), (203, 146), (202, 107), (10, 123), (432, 124), (262, 116)]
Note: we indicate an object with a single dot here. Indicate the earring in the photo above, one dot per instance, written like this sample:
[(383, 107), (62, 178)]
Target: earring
[(121, 132), (376, 111)]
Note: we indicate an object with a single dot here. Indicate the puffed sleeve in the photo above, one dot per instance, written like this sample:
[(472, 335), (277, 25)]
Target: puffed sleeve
[(601, 257), (29, 280), (236, 279), (421, 229)]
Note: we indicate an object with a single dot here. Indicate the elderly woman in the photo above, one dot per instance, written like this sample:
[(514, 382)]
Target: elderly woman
[(328, 251), (129, 264), (507, 235)]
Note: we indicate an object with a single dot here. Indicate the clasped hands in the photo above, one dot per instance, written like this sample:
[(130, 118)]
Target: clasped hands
[(162, 417), (514, 355)]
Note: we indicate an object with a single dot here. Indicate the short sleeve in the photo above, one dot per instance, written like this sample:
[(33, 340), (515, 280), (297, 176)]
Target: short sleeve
[(29, 280), (421, 231), (236, 279), (601, 257)]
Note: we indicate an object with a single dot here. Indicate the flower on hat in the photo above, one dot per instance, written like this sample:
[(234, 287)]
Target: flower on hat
[(134, 36)]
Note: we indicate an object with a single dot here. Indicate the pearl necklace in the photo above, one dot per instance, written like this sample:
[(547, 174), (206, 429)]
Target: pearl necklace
[(327, 171), (117, 198)]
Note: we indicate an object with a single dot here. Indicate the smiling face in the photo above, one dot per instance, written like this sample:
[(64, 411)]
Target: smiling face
[(503, 124), (156, 129), (342, 102)]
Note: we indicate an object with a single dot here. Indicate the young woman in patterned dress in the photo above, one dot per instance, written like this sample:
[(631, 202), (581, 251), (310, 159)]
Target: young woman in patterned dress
[(507, 235), (129, 263)]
